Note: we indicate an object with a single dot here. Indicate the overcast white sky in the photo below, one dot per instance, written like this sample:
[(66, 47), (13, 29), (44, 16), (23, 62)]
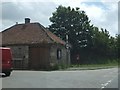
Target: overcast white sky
[(102, 13)]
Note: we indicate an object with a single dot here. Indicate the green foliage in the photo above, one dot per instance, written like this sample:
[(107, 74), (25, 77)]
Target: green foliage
[(58, 67), (72, 22), (55, 67), (94, 45), (62, 66), (104, 44), (118, 44)]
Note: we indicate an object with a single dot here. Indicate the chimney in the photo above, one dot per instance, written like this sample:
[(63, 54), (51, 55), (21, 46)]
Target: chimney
[(27, 20), (16, 23)]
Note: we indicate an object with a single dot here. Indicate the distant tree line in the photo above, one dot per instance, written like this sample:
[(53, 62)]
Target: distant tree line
[(89, 43)]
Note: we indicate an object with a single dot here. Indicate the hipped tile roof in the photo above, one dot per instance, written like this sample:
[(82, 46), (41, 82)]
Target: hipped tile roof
[(30, 33)]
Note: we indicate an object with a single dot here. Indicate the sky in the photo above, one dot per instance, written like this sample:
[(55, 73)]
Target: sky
[(102, 13)]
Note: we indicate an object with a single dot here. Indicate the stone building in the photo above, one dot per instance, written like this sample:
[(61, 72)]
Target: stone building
[(34, 47)]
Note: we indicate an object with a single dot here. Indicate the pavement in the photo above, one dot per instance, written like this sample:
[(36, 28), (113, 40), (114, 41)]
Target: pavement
[(100, 79)]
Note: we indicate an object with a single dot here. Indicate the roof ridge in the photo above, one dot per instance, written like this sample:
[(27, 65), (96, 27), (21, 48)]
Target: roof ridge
[(48, 36), (44, 29), (11, 27), (8, 28)]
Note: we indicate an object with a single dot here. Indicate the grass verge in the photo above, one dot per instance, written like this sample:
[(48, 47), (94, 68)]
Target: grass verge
[(94, 66)]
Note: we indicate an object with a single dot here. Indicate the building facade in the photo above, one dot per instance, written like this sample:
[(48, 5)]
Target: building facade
[(34, 47)]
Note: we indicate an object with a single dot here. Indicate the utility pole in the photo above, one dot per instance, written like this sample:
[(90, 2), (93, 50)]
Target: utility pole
[(67, 47), (67, 50)]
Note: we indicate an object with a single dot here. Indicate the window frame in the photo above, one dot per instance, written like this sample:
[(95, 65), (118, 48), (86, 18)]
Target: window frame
[(59, 54)]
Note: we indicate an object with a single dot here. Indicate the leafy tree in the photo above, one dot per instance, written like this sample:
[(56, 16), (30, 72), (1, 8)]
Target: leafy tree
[(118, 45), (112, 50), (86, 40), (104, 45), (74, 23)]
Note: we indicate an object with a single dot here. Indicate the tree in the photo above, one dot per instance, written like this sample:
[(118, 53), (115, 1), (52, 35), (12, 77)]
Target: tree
[(74, 23), (101, 41), (85, 38), (118, 45), (104, 45)]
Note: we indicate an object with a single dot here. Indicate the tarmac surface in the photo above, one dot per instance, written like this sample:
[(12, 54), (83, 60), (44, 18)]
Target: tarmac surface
[(100, 79)]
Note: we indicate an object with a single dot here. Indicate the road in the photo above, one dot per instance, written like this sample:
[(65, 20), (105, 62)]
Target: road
[(102, 78)]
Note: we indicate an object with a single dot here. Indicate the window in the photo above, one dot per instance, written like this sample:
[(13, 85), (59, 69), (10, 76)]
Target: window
[(59, 54)]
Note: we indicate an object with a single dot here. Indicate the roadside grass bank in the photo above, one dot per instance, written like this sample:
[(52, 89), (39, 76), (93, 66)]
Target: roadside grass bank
[(95, 65), (91, 67), (107, 65)]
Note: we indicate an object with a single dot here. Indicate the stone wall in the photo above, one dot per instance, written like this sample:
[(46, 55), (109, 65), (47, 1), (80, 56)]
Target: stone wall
[(64, 56), (20, 56)]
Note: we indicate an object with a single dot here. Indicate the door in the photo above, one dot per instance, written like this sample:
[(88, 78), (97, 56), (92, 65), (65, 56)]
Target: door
[(39, 58)]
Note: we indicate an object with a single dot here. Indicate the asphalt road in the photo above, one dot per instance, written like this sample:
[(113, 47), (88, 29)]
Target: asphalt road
[(102, 78)]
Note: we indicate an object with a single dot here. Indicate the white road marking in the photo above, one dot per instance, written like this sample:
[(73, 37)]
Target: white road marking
[(105, 84), (102, 87), (109, 81)]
